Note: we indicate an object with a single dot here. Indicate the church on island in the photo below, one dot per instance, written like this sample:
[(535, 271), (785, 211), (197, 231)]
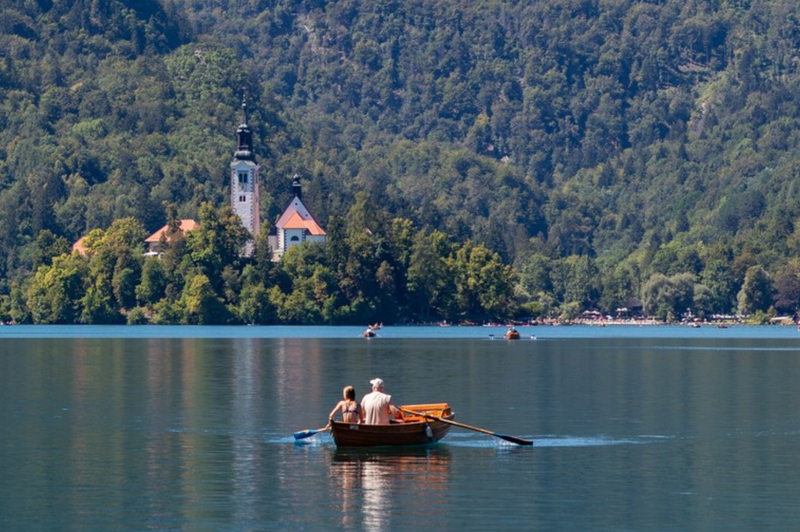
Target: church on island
[(295, 226)]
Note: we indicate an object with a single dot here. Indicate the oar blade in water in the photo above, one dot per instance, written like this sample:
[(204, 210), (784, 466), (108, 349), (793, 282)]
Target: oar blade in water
[(303, 434), (513, 439)]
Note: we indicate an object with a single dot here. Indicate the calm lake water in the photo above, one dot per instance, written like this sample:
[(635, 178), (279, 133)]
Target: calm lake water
[(178, 428)]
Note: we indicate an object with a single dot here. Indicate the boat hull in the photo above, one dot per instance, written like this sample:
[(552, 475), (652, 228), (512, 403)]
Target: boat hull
[(414, 431)]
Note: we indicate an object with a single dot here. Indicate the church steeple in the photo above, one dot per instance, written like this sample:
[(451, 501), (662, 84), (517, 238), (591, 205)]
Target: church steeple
[(244, 181), (244, 138)]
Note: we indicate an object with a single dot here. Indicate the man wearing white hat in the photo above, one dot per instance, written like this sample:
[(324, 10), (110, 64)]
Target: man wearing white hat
[(378, 405)]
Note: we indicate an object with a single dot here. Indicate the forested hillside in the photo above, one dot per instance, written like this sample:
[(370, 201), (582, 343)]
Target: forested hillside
[(605, 149)]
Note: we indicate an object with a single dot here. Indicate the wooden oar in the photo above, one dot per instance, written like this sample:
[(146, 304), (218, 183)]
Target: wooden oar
[(308, 433), (512, 439)]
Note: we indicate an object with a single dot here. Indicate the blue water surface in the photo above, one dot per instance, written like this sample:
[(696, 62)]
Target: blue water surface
[(190, 428)]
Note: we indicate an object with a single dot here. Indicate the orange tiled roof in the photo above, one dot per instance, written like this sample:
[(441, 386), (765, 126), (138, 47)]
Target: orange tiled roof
[(184, 225), (297, 216), (80, 246), (296, 221)]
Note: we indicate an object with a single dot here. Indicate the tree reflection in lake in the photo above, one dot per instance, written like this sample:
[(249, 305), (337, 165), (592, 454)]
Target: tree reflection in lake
[(369, 484)]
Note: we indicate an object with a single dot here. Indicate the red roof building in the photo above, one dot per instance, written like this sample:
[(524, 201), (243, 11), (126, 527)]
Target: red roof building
[(152, 241), (295, 226), (80, 246)]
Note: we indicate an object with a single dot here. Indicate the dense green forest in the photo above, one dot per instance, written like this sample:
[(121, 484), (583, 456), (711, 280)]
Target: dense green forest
[(470, 160)]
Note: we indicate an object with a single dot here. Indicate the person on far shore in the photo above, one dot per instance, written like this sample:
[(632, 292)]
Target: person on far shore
[(352, 411), (378, 406)]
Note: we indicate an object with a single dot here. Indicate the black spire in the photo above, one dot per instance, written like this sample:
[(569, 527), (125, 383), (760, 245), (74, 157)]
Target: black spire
[(244, 138), (297, 188)]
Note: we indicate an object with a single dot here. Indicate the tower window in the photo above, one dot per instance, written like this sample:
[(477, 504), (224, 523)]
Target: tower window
[(242, 198), (243, 177)]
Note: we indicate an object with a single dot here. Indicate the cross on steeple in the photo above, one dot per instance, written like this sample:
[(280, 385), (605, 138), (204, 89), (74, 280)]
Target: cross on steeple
[(244, 107)]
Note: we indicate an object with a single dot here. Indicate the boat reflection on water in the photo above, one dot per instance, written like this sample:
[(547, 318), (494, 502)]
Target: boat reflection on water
[(369, 483)]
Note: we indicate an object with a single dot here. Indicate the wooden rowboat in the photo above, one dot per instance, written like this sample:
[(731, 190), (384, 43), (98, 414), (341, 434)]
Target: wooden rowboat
[(414, 430)]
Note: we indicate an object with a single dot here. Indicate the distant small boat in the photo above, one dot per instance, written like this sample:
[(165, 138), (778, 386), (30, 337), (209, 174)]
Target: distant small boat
[(512, 334), (369, 333), (415, 430)]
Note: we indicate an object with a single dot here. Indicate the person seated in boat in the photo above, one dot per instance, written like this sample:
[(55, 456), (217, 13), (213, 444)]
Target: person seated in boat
[(378, 406), (375, 327), (352, 411)]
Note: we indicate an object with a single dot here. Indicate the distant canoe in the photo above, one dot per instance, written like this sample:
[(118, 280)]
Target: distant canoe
[(415, 430)]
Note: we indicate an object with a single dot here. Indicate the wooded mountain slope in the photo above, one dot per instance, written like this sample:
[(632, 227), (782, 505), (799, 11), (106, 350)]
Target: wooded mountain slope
[(605, 148)]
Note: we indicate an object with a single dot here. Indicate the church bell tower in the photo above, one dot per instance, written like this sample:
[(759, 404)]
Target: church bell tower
[(244, 182)]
